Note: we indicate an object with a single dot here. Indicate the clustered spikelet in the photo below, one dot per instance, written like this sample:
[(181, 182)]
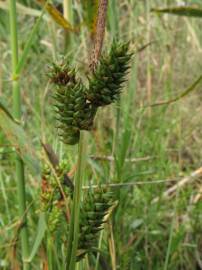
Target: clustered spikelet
[(95, 210), (73, 111), (94, 213), (52, 200), (76, 104), (107, 80), (51, 189)]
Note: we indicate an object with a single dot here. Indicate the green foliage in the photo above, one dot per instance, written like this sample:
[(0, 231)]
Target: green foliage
[(155, 148)]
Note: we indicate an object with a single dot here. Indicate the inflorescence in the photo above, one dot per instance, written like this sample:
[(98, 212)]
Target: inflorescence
[(75, 104)]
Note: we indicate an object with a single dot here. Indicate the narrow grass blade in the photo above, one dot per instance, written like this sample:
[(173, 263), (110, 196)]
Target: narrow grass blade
[(183, 94), (28, 45), (190, 11), (41, 229)]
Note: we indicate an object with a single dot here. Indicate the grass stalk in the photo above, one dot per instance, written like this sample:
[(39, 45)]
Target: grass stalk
[(20, 177), (68, 14), (74, 223), (114, 27)]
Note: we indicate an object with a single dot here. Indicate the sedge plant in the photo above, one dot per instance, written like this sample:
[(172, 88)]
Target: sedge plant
[(75, 106)]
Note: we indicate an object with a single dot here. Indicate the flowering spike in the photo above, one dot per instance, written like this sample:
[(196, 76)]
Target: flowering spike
[(106, 82)]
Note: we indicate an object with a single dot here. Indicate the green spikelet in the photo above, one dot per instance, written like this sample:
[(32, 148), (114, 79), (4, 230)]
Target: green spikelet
[(94, 212), (73, 111), (52, 201), (50, 190), (54, 218), (106, 82)]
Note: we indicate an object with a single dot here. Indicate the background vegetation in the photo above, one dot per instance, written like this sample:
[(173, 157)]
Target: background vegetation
[(142, 151)]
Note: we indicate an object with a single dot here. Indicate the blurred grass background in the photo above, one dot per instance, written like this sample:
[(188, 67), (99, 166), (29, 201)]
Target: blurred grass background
[(145, 235)]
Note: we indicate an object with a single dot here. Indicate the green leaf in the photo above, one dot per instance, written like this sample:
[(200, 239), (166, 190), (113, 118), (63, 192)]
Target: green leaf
[(18, 139), (190, 11), (41, 229)]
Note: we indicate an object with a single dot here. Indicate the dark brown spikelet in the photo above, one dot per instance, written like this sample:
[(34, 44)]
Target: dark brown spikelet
[(107, 80), (94, 212), (61, 75), (73, 110)]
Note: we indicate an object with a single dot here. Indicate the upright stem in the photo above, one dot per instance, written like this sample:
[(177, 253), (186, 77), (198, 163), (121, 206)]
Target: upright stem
[(114, 30), (17, 114), (74, 223), (75, 213)]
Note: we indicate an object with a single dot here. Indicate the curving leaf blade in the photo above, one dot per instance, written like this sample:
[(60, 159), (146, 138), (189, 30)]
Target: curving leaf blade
[(190, 11), (191, 88)]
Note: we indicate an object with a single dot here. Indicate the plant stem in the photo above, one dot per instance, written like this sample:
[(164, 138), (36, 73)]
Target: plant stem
[(75, 213), (114, 29), (17, 114), (68, 14), (74, 223)]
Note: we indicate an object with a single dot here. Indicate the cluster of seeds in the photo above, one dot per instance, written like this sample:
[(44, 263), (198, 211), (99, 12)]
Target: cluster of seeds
[(95, 210), (51, 196), (108, 78), (94, 213), (72, 109), (75, 104)]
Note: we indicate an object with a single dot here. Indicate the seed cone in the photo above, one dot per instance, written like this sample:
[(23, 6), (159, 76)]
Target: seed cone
[(73, 111), (106, 82), (93, 215)]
